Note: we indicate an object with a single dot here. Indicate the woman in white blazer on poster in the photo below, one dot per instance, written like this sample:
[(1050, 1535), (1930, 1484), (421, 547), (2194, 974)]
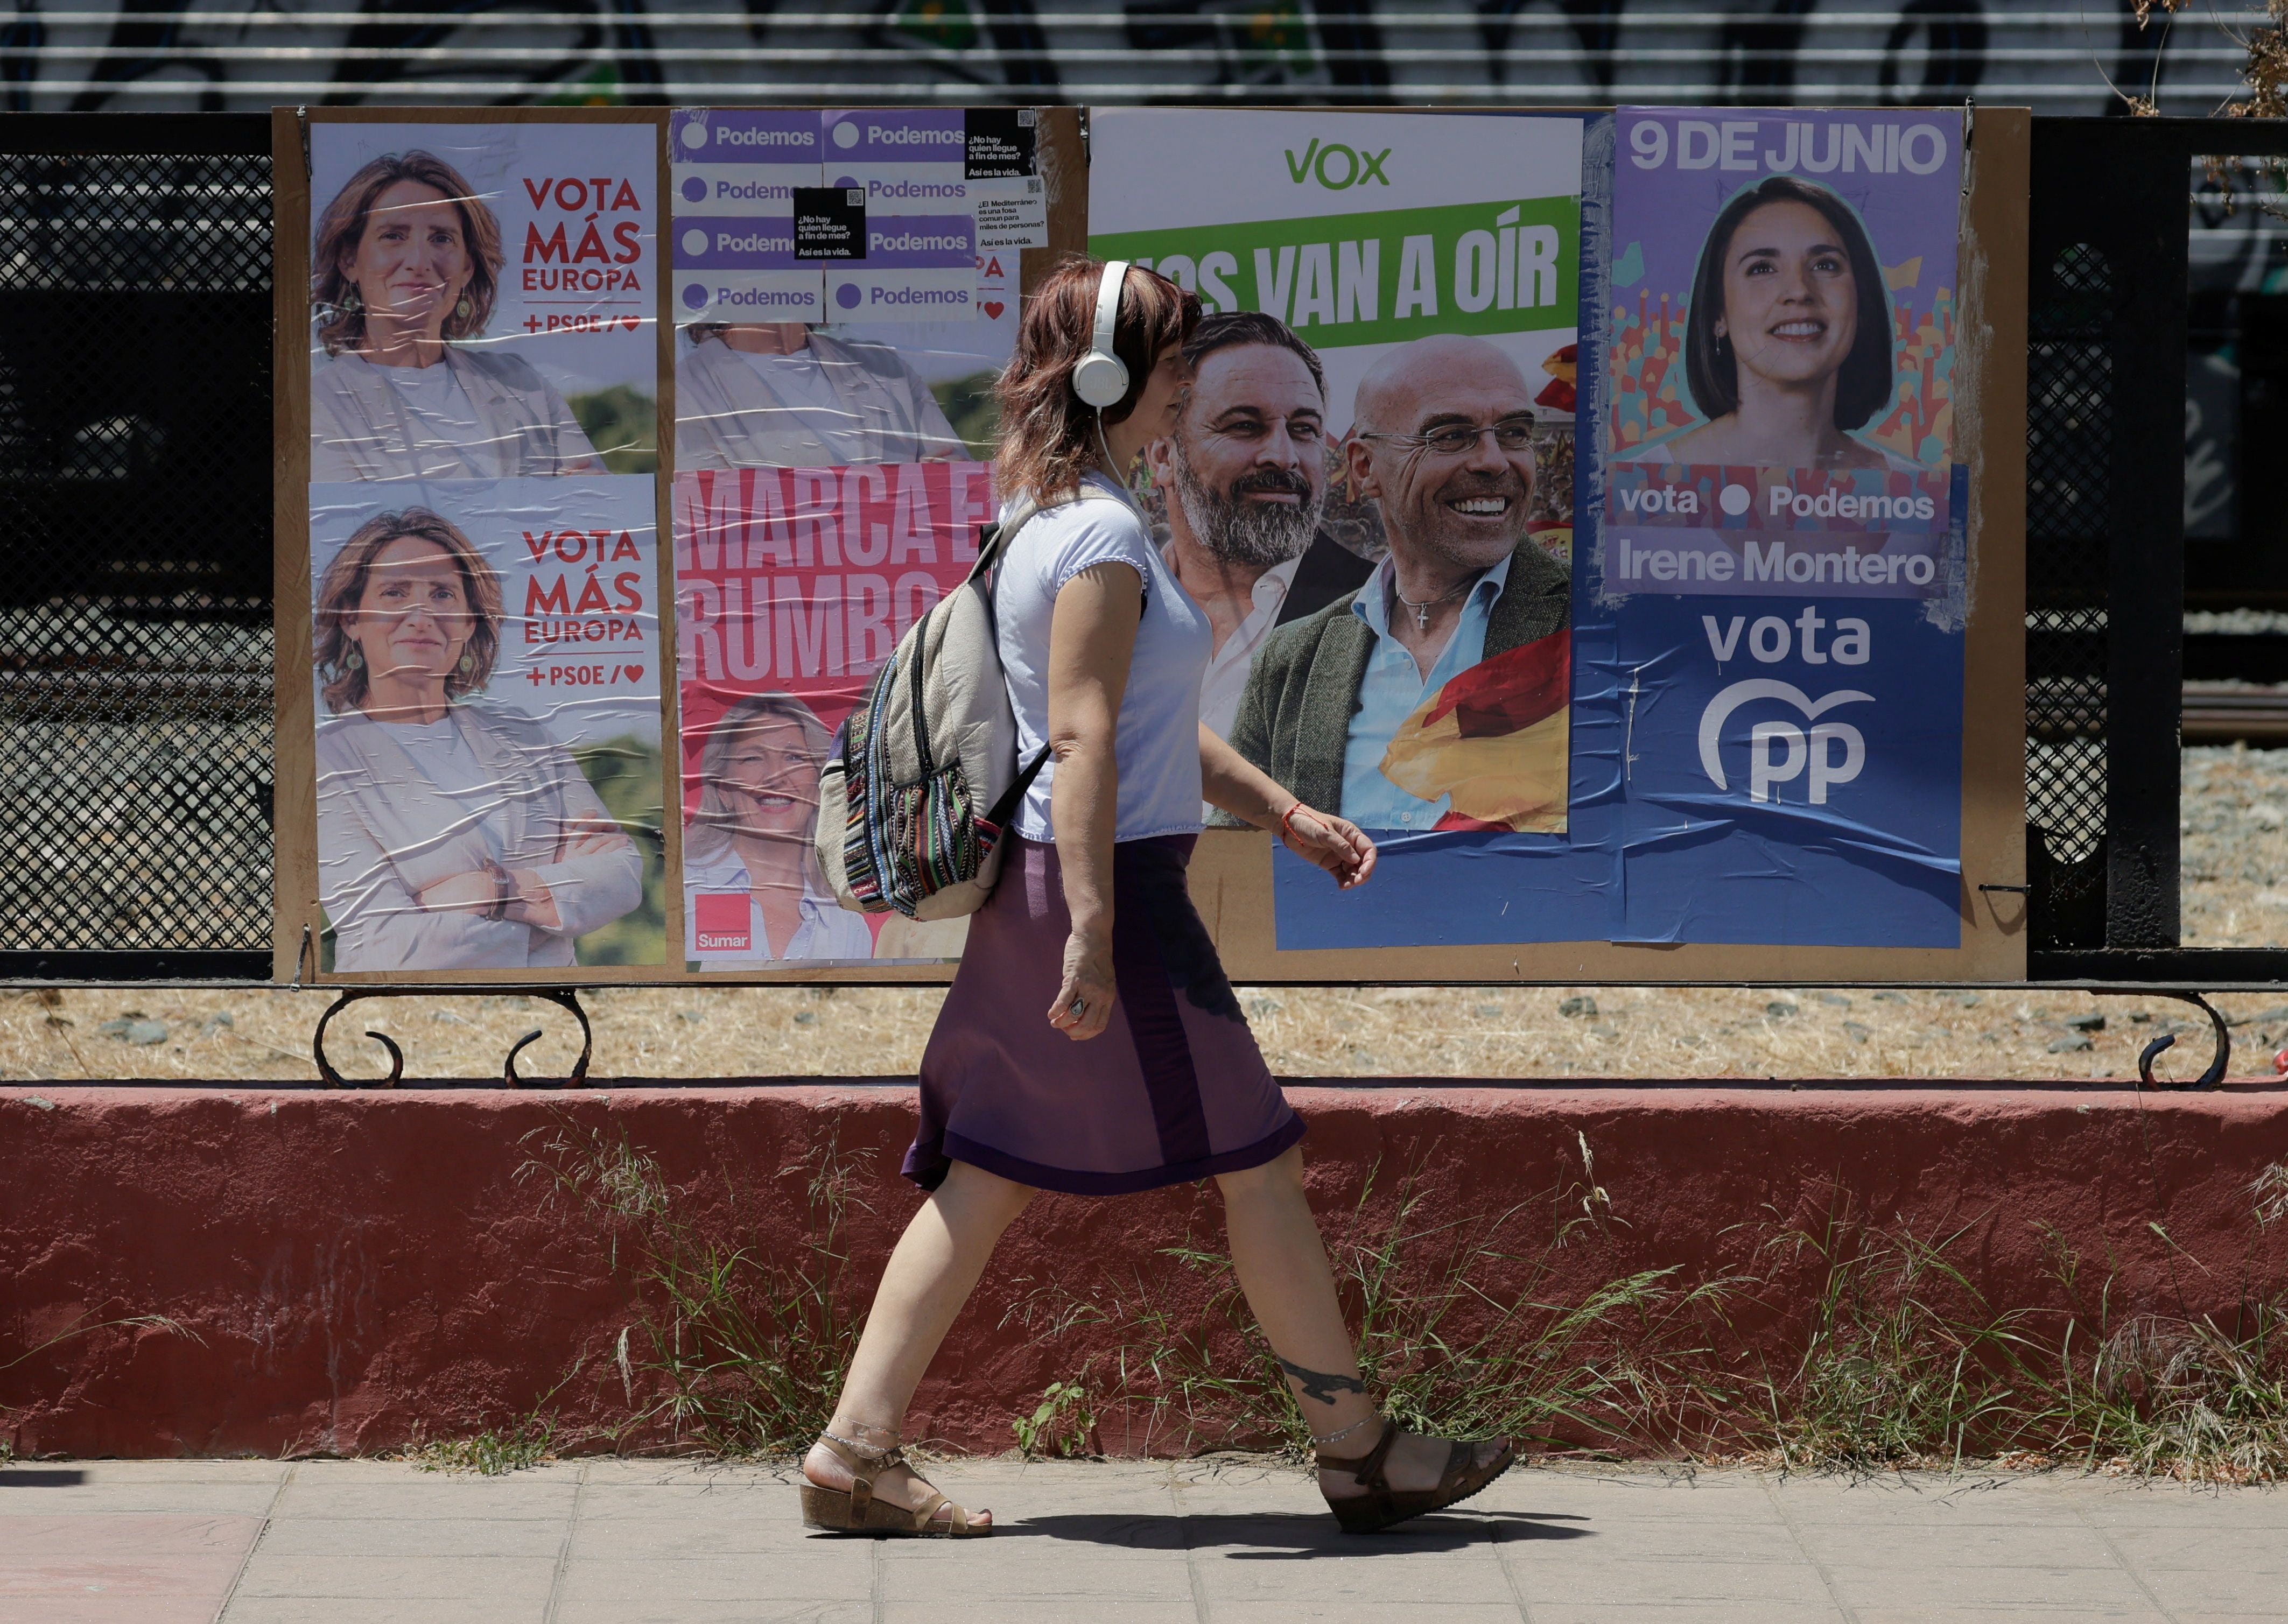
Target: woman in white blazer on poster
[(778, 394), (452, 833)]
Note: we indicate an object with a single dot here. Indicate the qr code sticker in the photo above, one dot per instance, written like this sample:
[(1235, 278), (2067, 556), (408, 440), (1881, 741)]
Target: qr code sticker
[(854, 197), (1026, 117), (1033, 186)]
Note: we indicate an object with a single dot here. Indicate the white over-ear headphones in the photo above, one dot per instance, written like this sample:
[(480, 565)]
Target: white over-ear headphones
[(1101, 378)]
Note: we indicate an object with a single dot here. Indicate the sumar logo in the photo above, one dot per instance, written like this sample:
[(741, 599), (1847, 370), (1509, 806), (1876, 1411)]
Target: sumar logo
[(1336, 167)]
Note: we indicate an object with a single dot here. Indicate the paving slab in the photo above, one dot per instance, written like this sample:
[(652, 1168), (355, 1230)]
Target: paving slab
[(164, 1569), (1223, 1541)]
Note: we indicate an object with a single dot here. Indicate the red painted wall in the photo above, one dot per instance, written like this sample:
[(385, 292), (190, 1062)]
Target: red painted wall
[(357, 1266)]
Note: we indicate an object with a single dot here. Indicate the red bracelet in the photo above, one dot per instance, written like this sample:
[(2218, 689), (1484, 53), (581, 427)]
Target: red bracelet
[(1286, 825)]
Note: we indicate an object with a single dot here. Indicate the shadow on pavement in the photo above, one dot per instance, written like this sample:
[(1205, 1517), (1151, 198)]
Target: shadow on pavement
[(41, 1478), (1295, 1536)]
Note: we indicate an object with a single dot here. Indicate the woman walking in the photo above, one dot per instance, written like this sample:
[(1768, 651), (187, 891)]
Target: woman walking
[(1090, 1042)]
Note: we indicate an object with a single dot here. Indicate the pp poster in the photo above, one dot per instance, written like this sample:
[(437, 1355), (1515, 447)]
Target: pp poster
[(1780, 570)]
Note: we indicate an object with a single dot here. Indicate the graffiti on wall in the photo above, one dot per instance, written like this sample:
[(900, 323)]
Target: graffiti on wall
[(134, 55)]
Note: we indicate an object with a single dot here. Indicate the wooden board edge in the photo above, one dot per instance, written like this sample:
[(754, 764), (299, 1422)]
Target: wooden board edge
[(294, 809)]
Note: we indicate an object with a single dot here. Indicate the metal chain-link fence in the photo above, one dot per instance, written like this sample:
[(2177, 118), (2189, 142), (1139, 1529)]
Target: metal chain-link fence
[(2069, 454), (135, 643)]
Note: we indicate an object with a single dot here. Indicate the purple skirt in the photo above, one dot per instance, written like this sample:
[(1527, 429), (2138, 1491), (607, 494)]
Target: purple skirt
[(1174, 1089)]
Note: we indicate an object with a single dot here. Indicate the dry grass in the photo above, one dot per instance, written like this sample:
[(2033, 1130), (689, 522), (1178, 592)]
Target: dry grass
[(2235, 893), (1390, 1032)]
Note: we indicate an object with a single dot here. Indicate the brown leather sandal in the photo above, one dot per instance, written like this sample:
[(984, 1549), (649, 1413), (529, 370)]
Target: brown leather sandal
[(1381, 1505), (855, 1510)]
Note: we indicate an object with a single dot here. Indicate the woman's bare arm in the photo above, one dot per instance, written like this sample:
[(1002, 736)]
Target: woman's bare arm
[(1228, 780), (1092, 635)]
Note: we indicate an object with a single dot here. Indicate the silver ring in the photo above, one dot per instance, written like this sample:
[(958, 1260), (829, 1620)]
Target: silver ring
[(1079, 1006)]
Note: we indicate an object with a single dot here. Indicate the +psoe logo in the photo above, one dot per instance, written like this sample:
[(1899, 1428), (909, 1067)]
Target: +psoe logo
[(1813, 753)]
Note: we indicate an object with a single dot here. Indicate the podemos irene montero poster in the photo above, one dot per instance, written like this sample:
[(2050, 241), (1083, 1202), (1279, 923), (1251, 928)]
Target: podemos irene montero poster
[(1781, 558)]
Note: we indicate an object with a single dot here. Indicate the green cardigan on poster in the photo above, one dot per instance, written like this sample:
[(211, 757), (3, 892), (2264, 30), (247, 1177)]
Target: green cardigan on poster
[(1295, 717)]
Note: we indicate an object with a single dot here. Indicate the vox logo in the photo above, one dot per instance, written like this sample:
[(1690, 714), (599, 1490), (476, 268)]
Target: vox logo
[(1336, 167), (1815, 753)]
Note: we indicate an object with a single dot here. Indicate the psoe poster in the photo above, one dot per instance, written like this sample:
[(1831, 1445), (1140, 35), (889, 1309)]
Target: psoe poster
[(483, 300), (1373, 468), (485, 667), (1782, 547)]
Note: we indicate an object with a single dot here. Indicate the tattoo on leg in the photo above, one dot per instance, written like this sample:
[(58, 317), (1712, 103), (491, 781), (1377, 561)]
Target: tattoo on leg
[(1320, 1384)]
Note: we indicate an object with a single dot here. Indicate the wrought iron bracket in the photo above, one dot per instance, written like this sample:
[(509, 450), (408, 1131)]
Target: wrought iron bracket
[(564, 996), (2217, 1061)]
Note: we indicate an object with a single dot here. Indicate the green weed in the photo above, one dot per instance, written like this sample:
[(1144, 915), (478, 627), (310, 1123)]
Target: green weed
[(1628, 1358), (488, 1454), (2182, 1396), (1062, 1428), (1905, 1362), (735, 1347)]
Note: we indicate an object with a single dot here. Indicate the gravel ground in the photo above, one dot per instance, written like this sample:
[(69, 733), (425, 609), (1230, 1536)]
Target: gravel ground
[(2235, 894)]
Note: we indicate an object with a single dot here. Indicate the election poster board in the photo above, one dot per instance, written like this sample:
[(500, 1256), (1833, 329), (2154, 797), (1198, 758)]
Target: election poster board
[(1781, 758), (472, 781), (1762, 721)]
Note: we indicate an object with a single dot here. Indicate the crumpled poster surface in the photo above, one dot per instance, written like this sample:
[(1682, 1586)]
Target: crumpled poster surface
[(484, 561), (1769, 621), (792, 586), (839, 324)]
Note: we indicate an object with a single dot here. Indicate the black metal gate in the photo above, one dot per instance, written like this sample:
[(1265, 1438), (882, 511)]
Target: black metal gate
[(2107, 304), (135, 452)]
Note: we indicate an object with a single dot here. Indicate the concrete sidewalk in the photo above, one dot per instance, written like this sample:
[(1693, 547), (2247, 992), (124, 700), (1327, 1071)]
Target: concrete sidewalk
[(635, 1542)]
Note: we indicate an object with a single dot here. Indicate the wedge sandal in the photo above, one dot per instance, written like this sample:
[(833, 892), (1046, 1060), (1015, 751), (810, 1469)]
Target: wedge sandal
[(1467, 1470), (855, 1510)]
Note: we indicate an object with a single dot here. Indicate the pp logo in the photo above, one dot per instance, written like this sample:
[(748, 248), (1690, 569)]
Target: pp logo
[(1815, 753)]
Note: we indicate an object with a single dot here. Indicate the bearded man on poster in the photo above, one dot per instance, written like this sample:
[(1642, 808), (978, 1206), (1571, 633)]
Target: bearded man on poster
[(1245, 473), (1433, 696)]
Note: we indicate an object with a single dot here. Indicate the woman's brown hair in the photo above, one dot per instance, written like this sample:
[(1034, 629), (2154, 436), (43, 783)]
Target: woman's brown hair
[(1048, 435), (343, 589), (341, 326)]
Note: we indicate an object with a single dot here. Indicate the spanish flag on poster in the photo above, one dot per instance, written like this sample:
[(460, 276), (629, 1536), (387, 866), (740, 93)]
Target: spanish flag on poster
[(1495, 739)]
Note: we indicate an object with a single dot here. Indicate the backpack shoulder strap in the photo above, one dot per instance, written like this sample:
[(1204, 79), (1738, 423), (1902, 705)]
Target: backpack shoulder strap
[(994, 540)]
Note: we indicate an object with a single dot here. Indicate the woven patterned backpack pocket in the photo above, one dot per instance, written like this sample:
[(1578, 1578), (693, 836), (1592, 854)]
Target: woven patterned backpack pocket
[(925, 778)]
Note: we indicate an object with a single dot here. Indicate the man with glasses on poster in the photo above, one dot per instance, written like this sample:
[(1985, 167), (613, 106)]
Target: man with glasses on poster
[(1433, 697)]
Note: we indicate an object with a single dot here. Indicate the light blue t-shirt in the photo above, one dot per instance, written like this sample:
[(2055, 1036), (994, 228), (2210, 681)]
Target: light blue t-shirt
[(1157, 748), (1390, 692)]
